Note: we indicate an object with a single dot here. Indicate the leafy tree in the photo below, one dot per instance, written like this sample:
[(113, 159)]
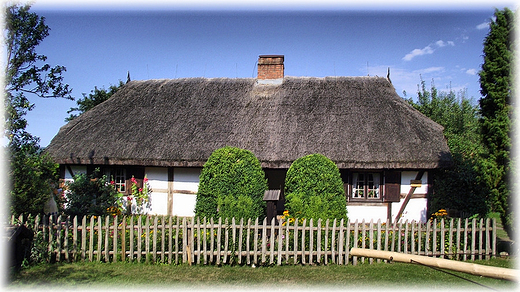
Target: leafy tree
[(27, 73), (90, 195), (232, 184), (314, 189), (496, 84), (458, 187), (94, 98), (33, 175)]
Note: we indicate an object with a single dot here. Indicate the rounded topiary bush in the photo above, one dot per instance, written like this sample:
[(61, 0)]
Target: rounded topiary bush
[(232, 184), (314, 189)]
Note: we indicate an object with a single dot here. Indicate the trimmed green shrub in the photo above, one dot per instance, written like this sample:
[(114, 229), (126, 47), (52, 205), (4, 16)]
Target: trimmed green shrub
[(232, 184), (314, 189)]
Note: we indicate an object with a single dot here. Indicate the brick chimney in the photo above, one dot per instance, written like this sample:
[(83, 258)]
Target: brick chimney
[(270, 67)]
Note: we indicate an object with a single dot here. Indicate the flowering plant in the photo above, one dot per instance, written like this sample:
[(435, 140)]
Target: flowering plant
[(287, 218), (141, 195), (138, 201), (442, 213)]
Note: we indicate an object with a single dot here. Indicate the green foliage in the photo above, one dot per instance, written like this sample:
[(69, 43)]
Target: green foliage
[(24, 31), (458, 187), (232, 184), (496, 108), (94, 98), (31, 172), (32, 175), (314, 189), (90, 195)]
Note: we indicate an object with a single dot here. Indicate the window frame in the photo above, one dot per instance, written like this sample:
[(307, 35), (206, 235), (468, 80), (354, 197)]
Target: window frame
[(118, 176), (366, 184)]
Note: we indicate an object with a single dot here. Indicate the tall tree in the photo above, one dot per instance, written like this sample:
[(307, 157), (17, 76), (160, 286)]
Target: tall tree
[(94, 98), (26, 72), (458, 187), (496, 83)]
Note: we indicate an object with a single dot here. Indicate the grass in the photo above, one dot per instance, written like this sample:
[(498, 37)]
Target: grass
[(139, 276)]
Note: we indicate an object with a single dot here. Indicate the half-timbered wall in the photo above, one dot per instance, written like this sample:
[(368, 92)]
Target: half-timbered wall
[(416, 208)]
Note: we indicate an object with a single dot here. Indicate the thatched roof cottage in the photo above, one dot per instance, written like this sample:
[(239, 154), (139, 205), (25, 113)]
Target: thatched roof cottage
[(167, 129)]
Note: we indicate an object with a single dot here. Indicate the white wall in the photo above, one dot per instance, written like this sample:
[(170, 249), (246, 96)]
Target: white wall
[(416, 209), (367, 213), (185, 187), (158, 180)]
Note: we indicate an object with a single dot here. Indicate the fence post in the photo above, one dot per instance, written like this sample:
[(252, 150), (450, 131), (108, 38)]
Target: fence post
[(264, 239), (99, 238), (488, 247), (91, 240), (303, 240), (219, 237), (170, 238), (205, 241), (450, 240), (240, 240), (83, 236), (355, 241), (311, 240), (494, 238), (378, 245), (347, 243), (140, 238), (271, 241), (131, 255), (295, 250), (198, 242), (340, 244), (371, 238), (248, 238), (480, 238), (458, 239), (255, 242), (226, 241), (473, 237)]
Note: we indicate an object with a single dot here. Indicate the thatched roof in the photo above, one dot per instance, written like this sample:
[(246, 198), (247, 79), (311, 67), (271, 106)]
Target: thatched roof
[(358, 122)]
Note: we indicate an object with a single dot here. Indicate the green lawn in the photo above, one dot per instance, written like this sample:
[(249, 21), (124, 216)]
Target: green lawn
[(144, 276)]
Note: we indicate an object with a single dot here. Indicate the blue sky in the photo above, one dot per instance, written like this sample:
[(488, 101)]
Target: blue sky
[(99, 44)]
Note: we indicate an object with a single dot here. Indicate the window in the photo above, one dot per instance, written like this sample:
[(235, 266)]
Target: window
[(118, 175), (366, 186)]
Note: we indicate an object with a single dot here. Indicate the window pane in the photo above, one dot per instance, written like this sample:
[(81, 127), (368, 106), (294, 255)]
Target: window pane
[(373, 186), (358, 185)]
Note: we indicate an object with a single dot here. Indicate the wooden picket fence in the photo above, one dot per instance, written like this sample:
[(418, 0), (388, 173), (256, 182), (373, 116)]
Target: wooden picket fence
[(177, 240)]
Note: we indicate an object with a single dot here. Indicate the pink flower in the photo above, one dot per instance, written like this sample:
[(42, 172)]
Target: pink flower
[(145, 180), (134, 180), (112, 182), (140, 189)]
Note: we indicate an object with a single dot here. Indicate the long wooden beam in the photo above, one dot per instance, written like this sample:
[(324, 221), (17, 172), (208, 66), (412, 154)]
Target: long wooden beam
[(473, 269), (408, 197)]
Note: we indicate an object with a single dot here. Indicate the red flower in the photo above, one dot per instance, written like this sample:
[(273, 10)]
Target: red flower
[(140, 189), (112, 182), (134, 180), (129, 198), (145, 180)]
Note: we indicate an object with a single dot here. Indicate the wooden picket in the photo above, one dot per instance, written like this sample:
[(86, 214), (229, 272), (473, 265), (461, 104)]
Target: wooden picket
[(199, 241)]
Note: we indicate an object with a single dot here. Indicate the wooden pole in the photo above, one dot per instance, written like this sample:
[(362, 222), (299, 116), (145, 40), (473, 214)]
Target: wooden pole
[(473, 269)]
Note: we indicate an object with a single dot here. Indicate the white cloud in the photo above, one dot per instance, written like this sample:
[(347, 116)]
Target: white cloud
[(471, 71), (418, 52), (483, 25), (429, 70), (441, 43), (429, 49)]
